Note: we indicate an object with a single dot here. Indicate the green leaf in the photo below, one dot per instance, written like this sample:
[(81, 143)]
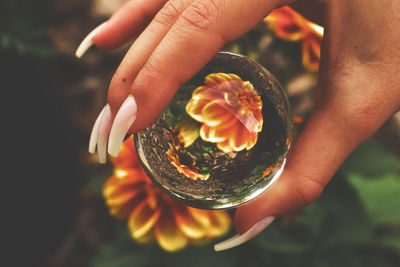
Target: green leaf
[(346, 221), (371, 160), (381, 197)]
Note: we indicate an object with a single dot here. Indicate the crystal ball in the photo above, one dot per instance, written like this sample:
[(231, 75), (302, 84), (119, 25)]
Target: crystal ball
[(224, 137)]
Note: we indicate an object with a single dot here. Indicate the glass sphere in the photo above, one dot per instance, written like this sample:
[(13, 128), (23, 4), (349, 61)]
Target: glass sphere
[(224, 137)]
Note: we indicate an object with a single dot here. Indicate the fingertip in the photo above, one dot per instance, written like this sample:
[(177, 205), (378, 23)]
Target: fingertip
[(112, 36)]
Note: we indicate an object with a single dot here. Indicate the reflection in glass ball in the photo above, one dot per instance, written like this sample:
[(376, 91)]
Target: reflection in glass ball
[(224, 137)]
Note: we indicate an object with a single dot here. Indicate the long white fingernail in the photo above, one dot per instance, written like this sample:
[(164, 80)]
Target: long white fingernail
[(87, 41), (95, 130), (124, 119), (237, 240), (103, 133)]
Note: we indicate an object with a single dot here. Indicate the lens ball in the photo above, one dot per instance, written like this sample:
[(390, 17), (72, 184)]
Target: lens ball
[(224, 137)]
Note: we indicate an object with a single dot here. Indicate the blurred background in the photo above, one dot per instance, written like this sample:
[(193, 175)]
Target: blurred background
[(54, 210)]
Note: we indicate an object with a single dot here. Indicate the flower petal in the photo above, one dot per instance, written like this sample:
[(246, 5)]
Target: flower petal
[(167, 234), (146, 238), (225, 146), (214, 113), (195, 106), (188, 225), (220, 223), (208, 134), (238, 137), (311, 50), (142, 220), (127, 157)]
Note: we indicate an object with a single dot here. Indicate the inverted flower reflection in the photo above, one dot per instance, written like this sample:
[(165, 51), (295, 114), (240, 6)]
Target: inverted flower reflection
[(289, 25), (151, 214), (190, 171), (229, 110)]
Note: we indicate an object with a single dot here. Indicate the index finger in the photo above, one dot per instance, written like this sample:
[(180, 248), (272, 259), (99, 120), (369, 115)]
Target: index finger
[(198, 34)]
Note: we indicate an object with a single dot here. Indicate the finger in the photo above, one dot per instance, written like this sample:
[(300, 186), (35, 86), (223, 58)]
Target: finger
[(140, 51), (126, 23), (201, 30), (312, 10)]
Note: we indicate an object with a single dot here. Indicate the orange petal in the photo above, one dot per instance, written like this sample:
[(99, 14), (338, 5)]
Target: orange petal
[(121, 209), (225, 146), (195, 106), (147, 238), (127, 157), (223, 131), (287, 24), (251, 140), (142, 220), (219, 77), (220, 223), (311, 50), (188, 225), (208, 134), (202, 216), (214, 113), (168, 235), (114, 184), (238, 137)]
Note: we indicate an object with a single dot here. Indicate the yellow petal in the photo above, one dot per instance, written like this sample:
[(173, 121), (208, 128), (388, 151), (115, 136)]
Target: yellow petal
[(220, 223), (146, 238), (251, 140), (225, 146), (201, 216), (195, 106), (237, 138), (167, 234), (188, 225), (142, 220), (215, 78), (208, 134), (121, 205), (214, 113)]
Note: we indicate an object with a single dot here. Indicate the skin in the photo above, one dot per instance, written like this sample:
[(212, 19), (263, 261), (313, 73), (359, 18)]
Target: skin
[(357, 91)]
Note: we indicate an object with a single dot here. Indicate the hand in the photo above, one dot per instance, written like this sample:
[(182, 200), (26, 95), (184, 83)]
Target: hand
[(357, 90)]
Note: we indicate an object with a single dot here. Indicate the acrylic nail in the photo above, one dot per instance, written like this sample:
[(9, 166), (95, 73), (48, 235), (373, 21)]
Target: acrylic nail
[(237, 240), (95, 130), (103, 133), (124, 119), (88, 41)]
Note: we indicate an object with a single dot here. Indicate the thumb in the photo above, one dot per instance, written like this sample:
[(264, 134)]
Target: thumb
[(318, 152)]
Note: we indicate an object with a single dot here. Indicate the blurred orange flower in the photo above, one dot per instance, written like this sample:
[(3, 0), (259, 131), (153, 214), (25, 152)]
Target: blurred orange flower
[(230, 110), (289, 25), (151, 214)]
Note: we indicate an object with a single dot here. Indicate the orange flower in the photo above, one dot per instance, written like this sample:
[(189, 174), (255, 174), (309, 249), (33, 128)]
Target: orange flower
[(151, 214), (230, 110), (289, 25), (189, 171)]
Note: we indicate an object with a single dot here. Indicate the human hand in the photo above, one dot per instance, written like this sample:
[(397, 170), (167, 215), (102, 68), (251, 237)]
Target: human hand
[(356, 92)]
